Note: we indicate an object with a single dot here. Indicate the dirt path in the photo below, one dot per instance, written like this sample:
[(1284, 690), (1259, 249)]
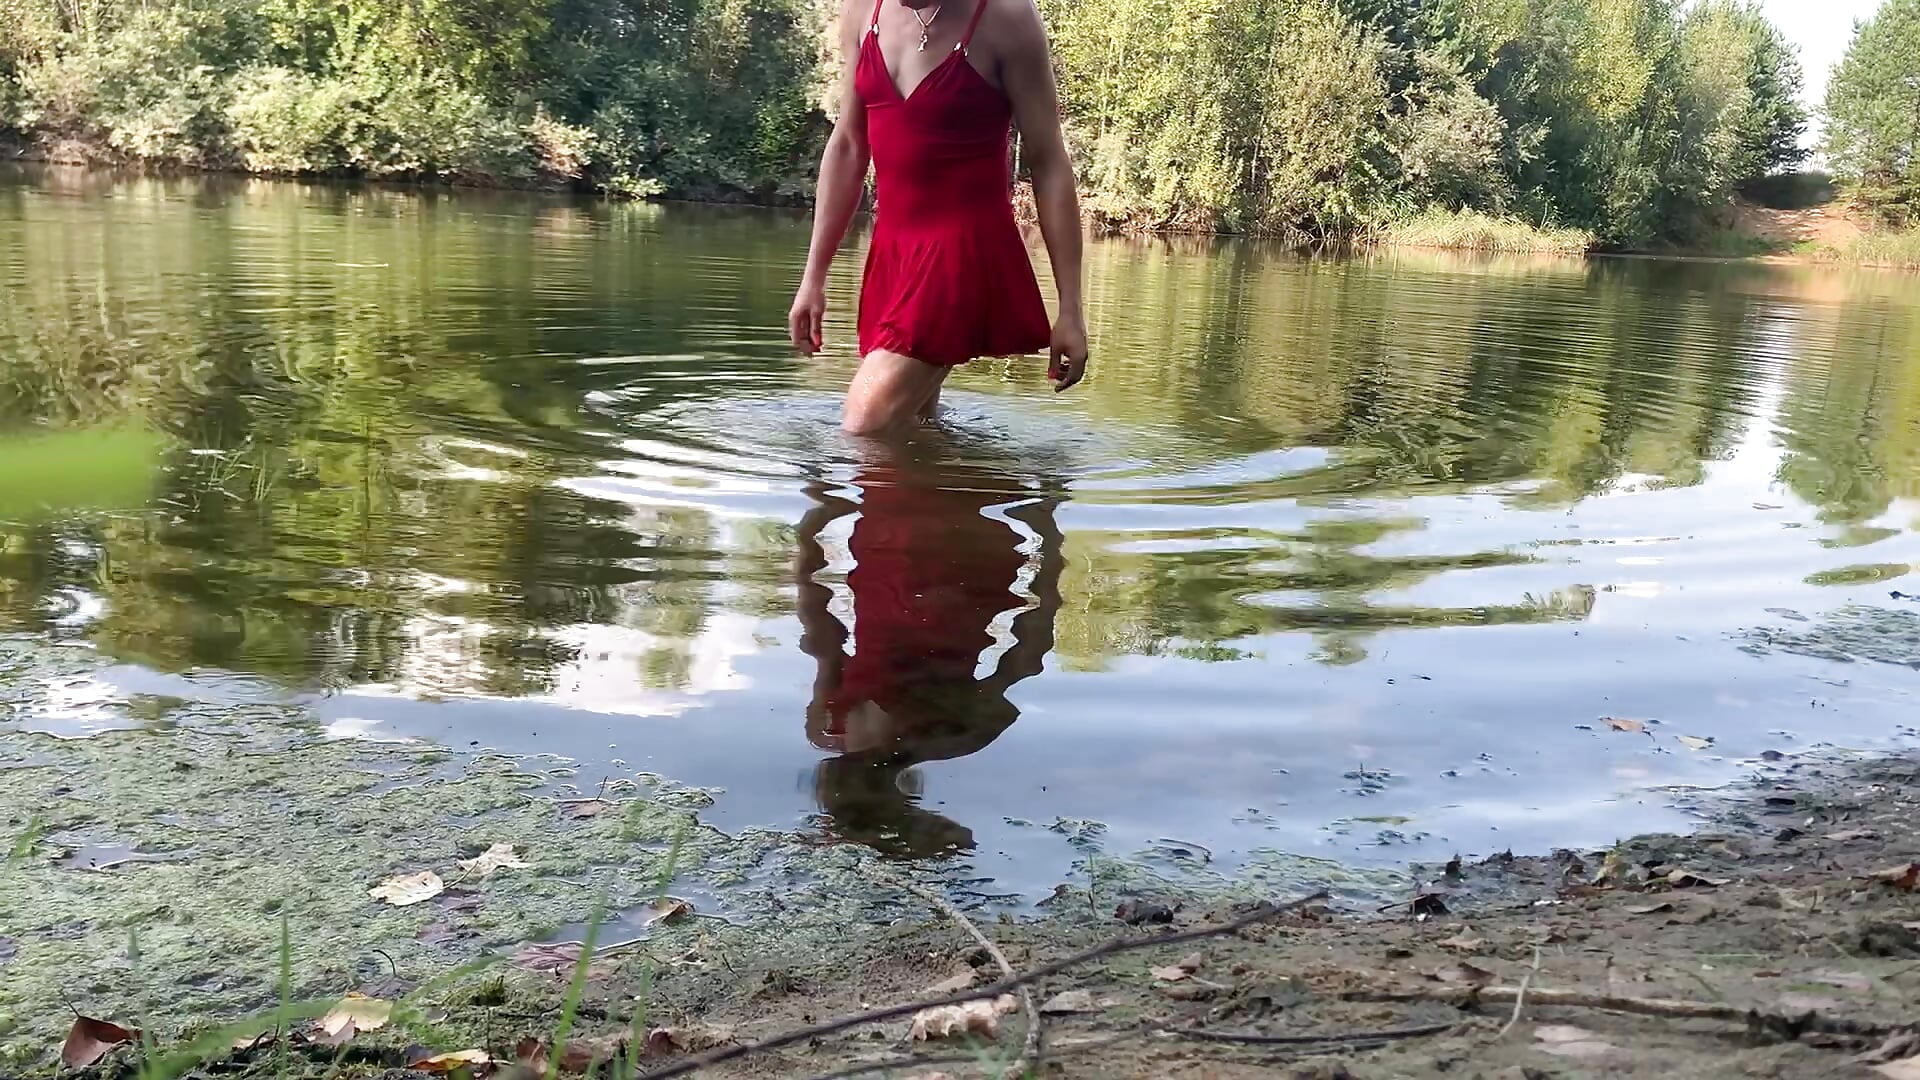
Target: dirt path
[(1825, 225)]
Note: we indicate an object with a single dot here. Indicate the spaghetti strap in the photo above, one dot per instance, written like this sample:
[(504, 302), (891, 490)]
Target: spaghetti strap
[(873, 24), (967, 38)]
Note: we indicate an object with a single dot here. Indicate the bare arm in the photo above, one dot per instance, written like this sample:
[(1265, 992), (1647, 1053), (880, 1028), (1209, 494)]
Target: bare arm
[(843, 175), (1028, 74)]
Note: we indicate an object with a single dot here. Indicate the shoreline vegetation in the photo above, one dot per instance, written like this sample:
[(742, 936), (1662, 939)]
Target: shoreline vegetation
[(1515, 125)]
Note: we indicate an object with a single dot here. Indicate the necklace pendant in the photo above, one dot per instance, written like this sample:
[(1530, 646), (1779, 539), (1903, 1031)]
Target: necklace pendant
[(923, 42)]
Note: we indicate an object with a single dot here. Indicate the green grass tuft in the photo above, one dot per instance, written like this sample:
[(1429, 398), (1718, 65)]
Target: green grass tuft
[(1471, 230), (1896, 248)]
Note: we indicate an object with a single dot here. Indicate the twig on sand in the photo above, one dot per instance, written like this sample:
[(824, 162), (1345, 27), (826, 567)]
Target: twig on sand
[(1005, 986), (1311, 1039), (1081, 1047), (1520, 996), (1030, 1051), (1779, 1023)]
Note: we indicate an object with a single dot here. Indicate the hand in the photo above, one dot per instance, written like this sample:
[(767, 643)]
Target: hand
[(803, 322), (1067, 363)]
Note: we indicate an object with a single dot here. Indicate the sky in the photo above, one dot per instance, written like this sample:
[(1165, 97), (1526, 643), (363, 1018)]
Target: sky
[(1822, 29)]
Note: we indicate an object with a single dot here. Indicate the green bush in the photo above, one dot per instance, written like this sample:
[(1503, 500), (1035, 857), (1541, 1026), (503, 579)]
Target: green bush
[(289, 121), (430, 124), (1790, 191)]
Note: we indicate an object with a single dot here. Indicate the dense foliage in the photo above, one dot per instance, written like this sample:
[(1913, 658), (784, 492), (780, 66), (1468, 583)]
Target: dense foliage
[(1873, 113), (698, 97), (1630, 118)]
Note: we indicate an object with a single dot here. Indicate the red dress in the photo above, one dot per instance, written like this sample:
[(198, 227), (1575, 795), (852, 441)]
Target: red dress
[(948, 277)]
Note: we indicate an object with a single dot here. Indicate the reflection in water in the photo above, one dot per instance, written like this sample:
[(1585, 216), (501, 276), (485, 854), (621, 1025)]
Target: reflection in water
[(525, 472), (935, 565)]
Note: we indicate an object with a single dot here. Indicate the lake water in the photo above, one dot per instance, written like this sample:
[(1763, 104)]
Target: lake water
[(1343, 557)]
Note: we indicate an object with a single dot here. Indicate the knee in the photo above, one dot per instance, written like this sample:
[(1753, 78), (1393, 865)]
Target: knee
[(867, 418)]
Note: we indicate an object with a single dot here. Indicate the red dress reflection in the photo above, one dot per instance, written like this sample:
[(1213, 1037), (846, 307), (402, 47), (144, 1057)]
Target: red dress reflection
[(936, 563)]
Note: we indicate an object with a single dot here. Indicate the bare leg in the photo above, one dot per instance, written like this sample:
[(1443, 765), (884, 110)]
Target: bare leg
[(931, 407), (889, 392)]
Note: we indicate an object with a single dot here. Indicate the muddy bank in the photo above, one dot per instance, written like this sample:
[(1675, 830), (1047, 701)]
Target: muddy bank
[(153, 870)]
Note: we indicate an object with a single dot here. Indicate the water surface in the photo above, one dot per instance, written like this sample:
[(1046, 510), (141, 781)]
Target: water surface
[(1338, 557)]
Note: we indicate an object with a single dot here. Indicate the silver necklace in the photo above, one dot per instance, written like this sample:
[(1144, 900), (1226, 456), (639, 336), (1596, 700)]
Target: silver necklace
[(926, 24)]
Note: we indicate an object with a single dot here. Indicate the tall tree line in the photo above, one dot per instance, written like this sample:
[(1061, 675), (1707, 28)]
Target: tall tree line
[(1313, 118)]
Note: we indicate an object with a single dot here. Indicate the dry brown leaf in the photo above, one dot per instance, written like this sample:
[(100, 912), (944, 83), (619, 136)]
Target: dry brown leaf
[(354, 1014), (581, 1055), (1182, 969), (664, 909), (1694, 742), (1907, 1069), (589, 808), (458, 1061), (89, 1040), (1463, 943), (408, 889), (1620, 723), (689, 1039), (532, 1053), (1846, 980), (962, 981), (1650, 909), (1852, 834), (497, 857), (1068, 1001), (1681, 878), (561, 958), (1905, 878), (973, 1018), (1565, 1040), (1464, 973)]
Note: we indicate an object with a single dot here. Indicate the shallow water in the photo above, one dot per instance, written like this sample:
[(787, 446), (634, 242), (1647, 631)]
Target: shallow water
[(1345, 558)]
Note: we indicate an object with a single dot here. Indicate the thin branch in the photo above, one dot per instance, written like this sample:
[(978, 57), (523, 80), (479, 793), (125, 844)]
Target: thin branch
[(1055, 1054), (1030, 1051), (1520, 996), (1005, 986), (1255, 1039), (1789, 1026)]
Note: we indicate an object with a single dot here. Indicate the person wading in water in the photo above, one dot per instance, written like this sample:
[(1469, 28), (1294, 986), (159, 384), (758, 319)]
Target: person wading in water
[(947, 278)]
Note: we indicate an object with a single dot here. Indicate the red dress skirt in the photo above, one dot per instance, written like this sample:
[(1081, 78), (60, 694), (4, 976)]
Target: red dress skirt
[(948, 277)]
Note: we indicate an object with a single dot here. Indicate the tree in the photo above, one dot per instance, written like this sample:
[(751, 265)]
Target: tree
[(1873, 113)]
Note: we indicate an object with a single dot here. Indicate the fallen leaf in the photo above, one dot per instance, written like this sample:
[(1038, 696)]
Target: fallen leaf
[(1620, 723), (1136, 912), (959, 982), (1650, 909), (560, 958), (458, 1061), (1694, 742), (582, 1055), (1907, 1069), (532, 1053), (689, 1039), (1068, 1001), (1905, 878), (1845, 980), (1566, 1040), (354, 1014), (973, 1018), (1806, 1003), (1612, 869), (663, 909), (497, 857), (1186, 966), (1463, 943), (1464, 973), (89, 1040), (409, 888), (1681, 878), (1852, 834), (591, 808)]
